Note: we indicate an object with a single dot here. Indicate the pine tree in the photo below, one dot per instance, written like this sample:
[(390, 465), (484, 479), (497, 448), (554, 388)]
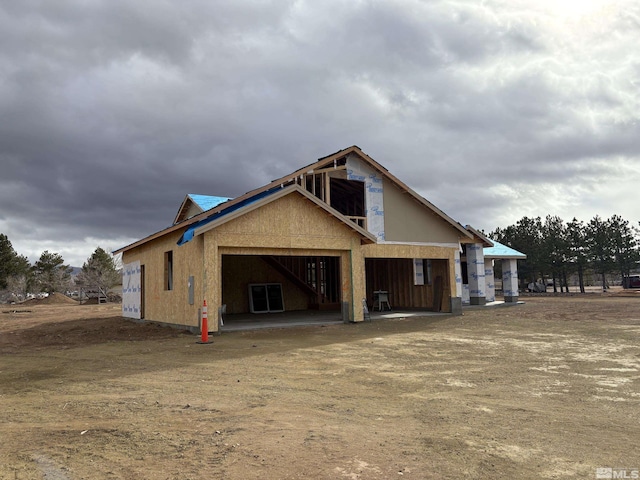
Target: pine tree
[(50, 273), (625, 244), (576, 236), (555, 249), (11, 263), (99, 271), (600, 249)]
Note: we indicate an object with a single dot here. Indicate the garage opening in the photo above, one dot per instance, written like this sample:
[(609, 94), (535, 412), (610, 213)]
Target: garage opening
[(396, 277), (302, 282)]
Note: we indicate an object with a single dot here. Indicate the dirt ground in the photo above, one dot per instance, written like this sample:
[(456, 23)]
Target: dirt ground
[(547, 389)]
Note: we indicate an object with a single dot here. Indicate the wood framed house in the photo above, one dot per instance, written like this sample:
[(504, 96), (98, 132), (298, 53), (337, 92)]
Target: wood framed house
[(326, 236)]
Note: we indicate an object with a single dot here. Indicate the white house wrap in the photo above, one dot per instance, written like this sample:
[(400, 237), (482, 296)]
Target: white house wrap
[(490, 280), (374, 194), (510, 279), (475, 266), (131, 289)]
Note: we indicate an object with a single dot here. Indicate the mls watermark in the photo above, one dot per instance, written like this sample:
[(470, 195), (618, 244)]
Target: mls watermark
[(608, 472)]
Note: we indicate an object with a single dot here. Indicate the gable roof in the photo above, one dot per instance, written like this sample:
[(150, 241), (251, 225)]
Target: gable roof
[(290, 179), (502, 251), (342, 154), (205, 202), (201, 202)]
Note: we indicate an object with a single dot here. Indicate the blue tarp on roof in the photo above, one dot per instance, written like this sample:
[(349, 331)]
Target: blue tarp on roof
[(206, 202), (501, 251), (188, 234)]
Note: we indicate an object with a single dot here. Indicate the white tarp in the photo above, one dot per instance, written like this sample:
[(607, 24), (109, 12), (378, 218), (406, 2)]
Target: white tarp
[(131, 290)]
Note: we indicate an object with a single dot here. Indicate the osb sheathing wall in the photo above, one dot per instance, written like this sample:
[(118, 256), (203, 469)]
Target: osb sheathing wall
[(170, 306), (291, 225), (290, 222)]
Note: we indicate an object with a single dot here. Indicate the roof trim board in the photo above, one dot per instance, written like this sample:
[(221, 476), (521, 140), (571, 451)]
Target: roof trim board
[(263, 199), (422, 244)]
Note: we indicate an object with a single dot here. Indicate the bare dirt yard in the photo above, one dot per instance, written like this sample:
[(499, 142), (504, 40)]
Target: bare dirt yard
[(547, 389)]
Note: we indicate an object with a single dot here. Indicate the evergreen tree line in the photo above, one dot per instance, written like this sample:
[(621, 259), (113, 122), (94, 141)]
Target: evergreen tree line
[(49, 274), (556, 249)]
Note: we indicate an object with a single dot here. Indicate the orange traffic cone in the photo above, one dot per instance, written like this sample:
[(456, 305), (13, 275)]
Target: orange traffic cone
[(204, 329)]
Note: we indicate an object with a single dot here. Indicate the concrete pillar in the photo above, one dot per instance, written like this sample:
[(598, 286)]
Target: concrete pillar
[(510, 280), (490, 281), (475, 270)]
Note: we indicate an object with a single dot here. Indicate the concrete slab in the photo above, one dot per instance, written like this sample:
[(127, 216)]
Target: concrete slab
[(498, 303), (249, 321)]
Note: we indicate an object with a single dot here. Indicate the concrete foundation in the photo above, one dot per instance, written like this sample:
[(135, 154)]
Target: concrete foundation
[(478, 301), (456, 305)]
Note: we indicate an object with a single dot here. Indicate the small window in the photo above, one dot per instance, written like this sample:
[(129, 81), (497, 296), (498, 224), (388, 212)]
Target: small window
[(168, 270)]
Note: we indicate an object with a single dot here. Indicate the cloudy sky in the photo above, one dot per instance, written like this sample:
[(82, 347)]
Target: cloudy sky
[(112, 110)]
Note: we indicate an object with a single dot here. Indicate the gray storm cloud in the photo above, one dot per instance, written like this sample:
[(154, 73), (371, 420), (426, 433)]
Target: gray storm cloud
[(112, 111)]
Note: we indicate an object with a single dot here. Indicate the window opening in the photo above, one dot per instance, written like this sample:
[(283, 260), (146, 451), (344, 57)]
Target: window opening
[(347, 197), (168, 270)]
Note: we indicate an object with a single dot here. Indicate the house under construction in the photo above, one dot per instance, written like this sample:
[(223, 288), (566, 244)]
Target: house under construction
[(325, 237)]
